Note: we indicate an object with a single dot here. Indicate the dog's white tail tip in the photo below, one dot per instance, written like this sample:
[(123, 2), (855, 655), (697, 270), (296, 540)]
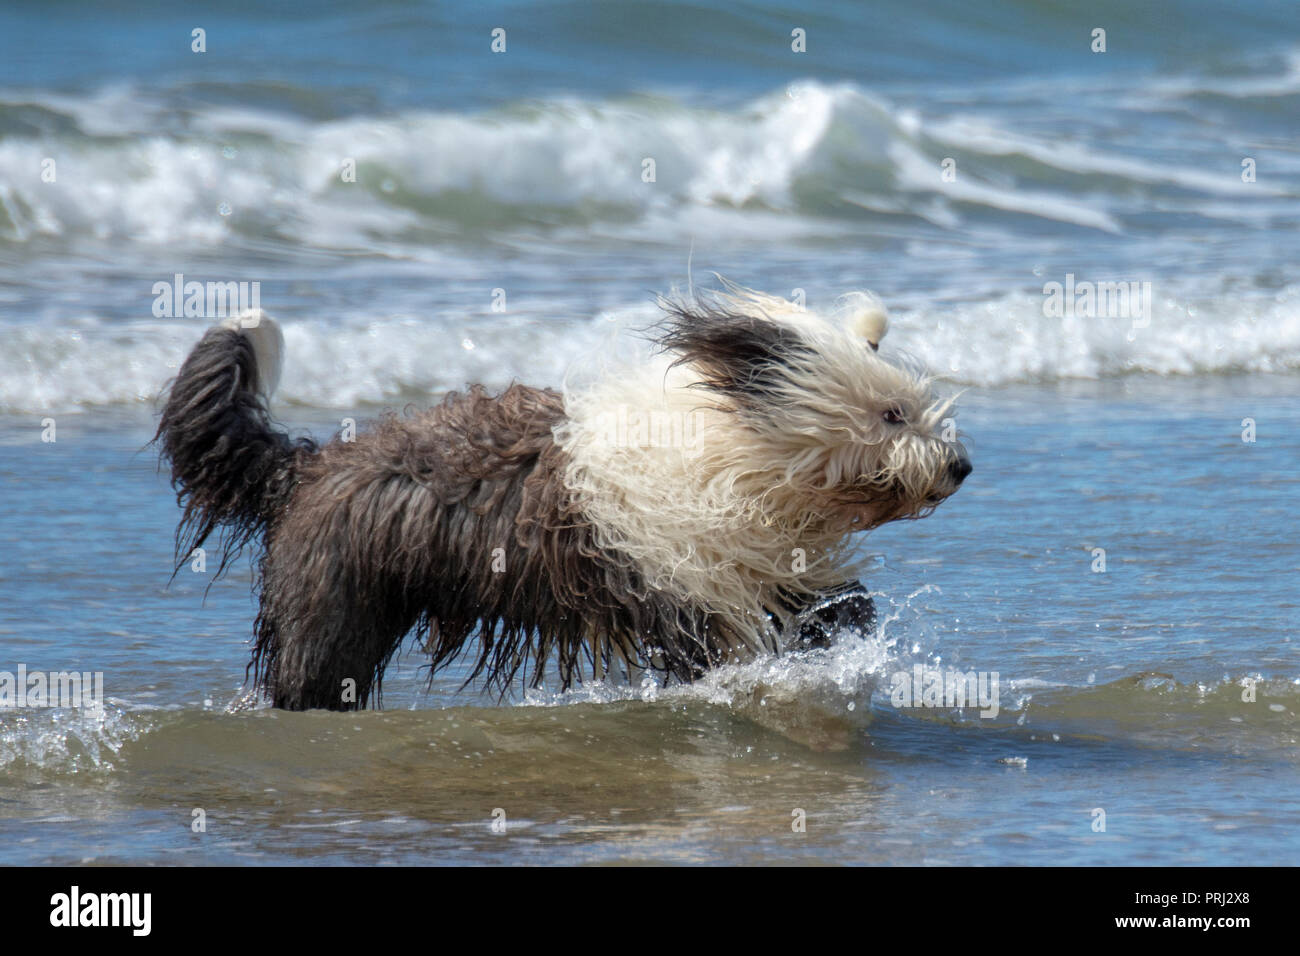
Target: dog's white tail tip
[(268, 345)]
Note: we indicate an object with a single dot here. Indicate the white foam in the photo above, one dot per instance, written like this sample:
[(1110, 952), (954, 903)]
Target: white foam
[(736, 172), (277, 175), (1008, 338), (66, 739), (358, 362), (227, 170)]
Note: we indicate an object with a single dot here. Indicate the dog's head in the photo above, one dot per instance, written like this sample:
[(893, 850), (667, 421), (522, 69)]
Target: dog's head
[(836, 434)]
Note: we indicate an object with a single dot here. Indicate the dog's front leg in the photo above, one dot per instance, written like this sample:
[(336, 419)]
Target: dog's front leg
[(850, 608)]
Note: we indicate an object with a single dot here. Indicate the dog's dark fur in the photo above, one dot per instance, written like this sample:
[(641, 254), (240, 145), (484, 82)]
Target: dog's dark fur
[(396, 532)]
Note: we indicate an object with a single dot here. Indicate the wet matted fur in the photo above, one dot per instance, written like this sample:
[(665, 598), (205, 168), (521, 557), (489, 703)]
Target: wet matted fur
[(530, 530)]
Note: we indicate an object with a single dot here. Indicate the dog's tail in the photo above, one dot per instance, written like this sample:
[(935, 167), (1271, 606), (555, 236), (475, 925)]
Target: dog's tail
[(231, 467)]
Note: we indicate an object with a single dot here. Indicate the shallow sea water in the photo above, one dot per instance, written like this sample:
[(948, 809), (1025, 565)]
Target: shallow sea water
[(1119, 690)]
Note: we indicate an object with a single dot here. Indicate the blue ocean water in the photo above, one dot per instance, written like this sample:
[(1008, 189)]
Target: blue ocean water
[(1162, 690)]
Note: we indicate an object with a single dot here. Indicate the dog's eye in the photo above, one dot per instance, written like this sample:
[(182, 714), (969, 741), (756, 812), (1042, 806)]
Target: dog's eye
[(893, 416)]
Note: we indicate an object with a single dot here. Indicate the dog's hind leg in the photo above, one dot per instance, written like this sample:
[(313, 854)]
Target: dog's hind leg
[(324, 635)]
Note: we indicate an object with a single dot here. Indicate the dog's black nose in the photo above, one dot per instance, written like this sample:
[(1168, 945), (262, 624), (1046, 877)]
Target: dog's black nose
[(960, 468)]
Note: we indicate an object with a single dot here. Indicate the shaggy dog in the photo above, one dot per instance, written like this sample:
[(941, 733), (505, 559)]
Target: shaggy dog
[(691, 511)]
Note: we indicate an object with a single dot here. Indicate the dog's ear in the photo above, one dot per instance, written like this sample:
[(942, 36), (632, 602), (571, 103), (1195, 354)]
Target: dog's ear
[(743, 357)]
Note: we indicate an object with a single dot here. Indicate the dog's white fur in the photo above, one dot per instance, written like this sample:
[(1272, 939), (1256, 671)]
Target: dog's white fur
[(753, 504)]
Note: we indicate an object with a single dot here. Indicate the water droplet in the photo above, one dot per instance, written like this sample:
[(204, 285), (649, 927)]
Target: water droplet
[(388, 186), (229, 152), (224, 208)]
